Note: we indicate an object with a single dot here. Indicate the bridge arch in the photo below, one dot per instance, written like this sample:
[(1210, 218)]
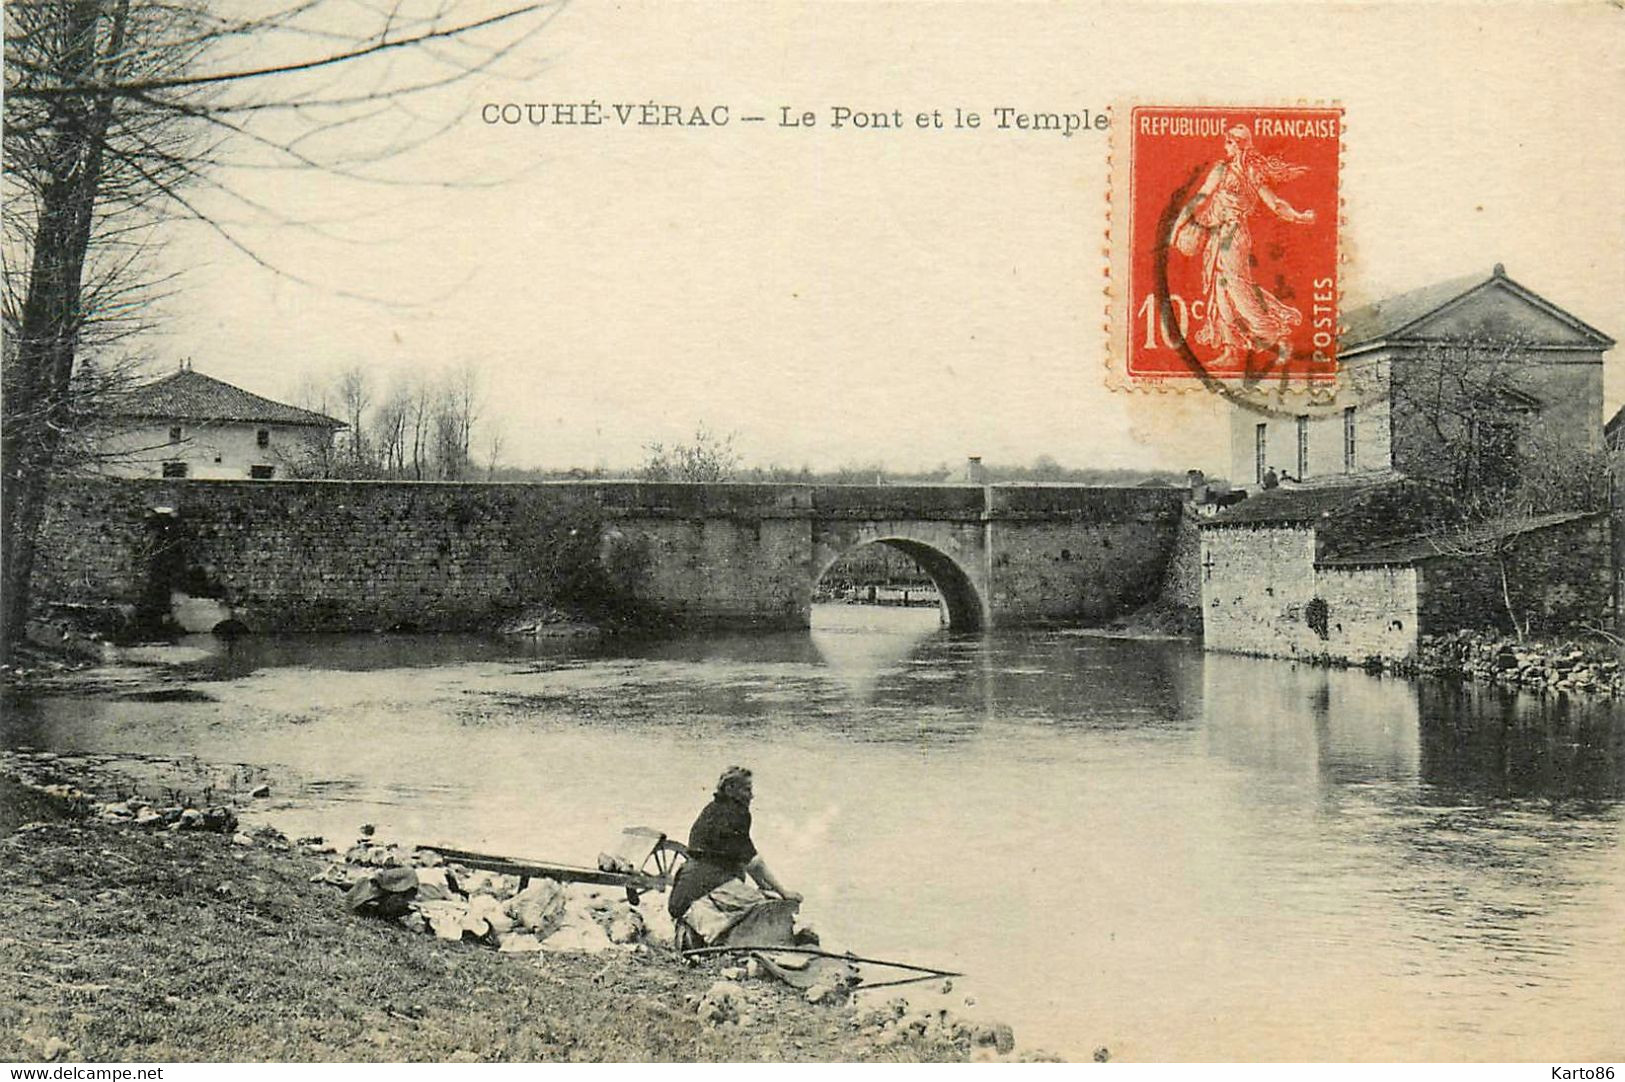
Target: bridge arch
[(964, 602)]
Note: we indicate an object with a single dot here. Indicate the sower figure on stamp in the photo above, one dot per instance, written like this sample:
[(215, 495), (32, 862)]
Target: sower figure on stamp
[(1241, 315), (710, 900)]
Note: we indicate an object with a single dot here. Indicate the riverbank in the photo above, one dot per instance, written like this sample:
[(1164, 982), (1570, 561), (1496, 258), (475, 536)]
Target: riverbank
[(174, 942), (1160, 620), (1583, 666)]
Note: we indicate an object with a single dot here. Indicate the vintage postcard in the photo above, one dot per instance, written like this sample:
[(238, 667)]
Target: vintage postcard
[(793, 532)]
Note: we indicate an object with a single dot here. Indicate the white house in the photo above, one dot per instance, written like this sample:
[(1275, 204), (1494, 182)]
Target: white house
[(191, 425)]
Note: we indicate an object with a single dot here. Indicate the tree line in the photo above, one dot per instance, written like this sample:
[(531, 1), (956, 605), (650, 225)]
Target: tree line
[(414, 428)]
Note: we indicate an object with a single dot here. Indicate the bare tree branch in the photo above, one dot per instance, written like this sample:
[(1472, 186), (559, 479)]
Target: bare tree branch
[(141, 87)]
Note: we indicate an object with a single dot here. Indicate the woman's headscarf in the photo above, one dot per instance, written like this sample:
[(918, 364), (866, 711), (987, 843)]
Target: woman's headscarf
[(728, 785)]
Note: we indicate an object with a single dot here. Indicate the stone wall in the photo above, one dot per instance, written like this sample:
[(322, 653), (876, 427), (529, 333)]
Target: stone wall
[(1077, 555), (1371, 612), (1253, 579), (724, 571), (332, 555), (1259, 583), (1263, 594), (346, 555), (292, 556), (1182, 580), (1559, 578)]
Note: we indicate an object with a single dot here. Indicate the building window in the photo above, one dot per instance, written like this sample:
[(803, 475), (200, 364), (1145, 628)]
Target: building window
[(174, 469), (1303, 448), (1492, 452), (174, 433), (262, 438), (1348, 439), (1260, 451), (262, 473)]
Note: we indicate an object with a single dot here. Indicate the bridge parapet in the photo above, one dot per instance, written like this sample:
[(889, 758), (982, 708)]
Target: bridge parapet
[(687, 499), (952, 503), (1066, 503)]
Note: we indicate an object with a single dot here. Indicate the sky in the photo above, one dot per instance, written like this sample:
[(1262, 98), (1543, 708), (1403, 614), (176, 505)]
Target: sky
[(907, 297)]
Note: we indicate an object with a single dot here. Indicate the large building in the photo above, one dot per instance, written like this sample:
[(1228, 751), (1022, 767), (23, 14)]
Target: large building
[(1428, 376), (191, 425), (1465, 383)]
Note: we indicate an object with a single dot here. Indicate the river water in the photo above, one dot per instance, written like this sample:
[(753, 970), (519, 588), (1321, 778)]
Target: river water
[(1134, 845)]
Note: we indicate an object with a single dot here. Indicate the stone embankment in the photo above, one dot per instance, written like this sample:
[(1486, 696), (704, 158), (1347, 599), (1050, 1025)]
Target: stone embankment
[(1591, 668), (245, 915)]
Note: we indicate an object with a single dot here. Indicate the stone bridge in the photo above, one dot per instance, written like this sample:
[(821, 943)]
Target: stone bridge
[(339, 555)]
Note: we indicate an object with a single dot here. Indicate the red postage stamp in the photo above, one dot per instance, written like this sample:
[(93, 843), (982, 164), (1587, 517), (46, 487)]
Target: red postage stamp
[(1232, 243)]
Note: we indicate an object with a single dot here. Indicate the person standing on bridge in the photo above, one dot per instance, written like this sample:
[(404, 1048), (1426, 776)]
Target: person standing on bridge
[(720, 855)]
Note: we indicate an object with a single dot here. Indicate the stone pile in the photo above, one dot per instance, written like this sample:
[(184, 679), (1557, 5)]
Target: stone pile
[(897, 1020), (745, 996), (448, 900), (38, 771), (1543, 667)]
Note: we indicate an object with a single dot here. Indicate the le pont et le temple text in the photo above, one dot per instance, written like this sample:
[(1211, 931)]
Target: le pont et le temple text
[(1010, 118)]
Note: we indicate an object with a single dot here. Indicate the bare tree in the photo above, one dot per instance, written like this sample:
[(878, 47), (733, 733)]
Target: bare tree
[(313, 393), (422, 419), (455, 406), (355, 395), (493, 452), (112, 111), (389, 431), (1471, 415), (463, 399), (449, 461), (1495, 465)]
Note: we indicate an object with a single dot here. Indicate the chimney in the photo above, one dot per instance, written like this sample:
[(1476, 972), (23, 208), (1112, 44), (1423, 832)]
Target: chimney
[(975, 472)]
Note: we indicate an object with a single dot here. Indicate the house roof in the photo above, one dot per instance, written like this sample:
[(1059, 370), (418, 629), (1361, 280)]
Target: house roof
[(1288, 506), (191, 396), (1395, 317), (1385, 318), (1408, 550), (1615, 424)]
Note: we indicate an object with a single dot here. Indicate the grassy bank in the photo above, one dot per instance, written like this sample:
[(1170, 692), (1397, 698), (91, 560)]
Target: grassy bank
[(126, 944)]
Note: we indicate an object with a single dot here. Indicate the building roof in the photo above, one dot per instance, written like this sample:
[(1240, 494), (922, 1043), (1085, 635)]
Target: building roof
[(191, 396), (1394, 317), (1290, 506), (1385, 318), (1409, 550), (1615, 425)]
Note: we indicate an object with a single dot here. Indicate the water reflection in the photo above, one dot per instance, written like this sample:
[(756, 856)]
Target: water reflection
[(1481, 742), (1327, 726)]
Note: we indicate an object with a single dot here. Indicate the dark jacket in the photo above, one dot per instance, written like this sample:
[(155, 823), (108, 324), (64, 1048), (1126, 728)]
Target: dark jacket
[(719, 847)]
